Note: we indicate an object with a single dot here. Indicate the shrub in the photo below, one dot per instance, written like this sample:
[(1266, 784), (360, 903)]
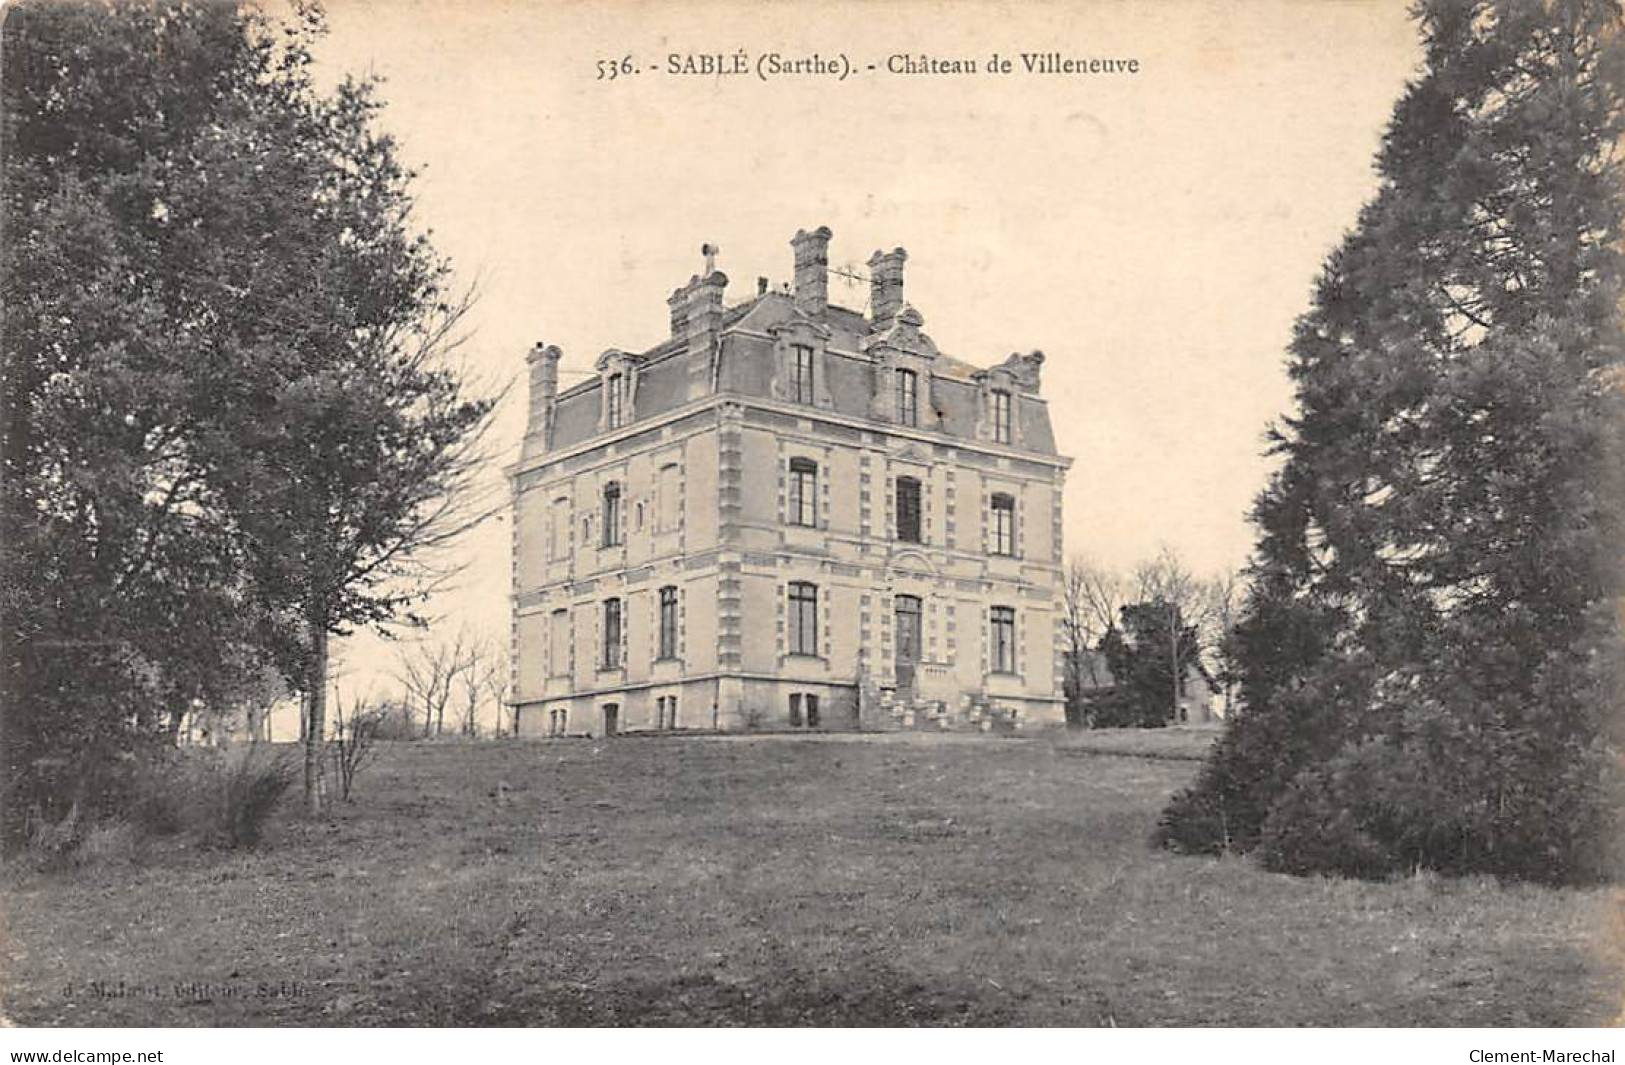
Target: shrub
[(249, 787)]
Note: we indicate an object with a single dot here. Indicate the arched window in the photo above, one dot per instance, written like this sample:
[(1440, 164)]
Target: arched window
[(802, 505), (612, 514), (1003, 522), (908, 510)]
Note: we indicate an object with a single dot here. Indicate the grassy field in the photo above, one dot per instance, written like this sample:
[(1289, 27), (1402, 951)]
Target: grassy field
[(799, 880)]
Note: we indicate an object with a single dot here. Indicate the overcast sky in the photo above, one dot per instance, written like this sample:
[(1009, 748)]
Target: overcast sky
[(1154, 234)]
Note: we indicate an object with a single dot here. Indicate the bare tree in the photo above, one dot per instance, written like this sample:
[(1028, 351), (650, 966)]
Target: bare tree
[(485, 679), (429, 672), (1090, 598), (354, 735), (1182, 598), (498, 680), (1224, 594), (483, 658)]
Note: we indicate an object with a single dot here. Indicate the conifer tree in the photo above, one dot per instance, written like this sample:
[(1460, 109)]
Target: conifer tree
[(1430, 653)]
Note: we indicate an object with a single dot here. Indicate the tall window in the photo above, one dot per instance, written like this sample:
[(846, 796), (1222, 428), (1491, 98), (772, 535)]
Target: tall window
[(558, 527), (616, 400), (803, 503), (803, 618), (611, 658), (1002, 432), (907, 398), (908, 510), (612, 514), (1003, 658), (666, 503), (558, 640), (668, 621), (801, 374), (1004, 524)]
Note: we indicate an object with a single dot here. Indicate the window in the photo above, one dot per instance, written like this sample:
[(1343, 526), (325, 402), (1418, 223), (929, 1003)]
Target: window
[(611, 658), (1003, 516), (1001, 418), (908, 510), (803, 503), (638, 522), (801, 374), (558, 721), (558, 518), (668, 621), (666, 712), (615, 402), (1003, 658), (803, 710), (612, 514), (907, 398), (803, 618), (666, 498), (558, 650)]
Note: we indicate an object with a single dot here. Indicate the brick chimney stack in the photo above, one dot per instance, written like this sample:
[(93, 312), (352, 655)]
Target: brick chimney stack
[(543, 360), (886, 286), (812, 270), (702, 326)]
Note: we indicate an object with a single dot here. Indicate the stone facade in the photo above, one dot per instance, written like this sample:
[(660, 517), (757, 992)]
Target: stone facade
[(787, 515)]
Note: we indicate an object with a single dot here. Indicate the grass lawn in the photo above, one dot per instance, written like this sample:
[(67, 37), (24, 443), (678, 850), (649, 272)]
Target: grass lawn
[(908, 879)]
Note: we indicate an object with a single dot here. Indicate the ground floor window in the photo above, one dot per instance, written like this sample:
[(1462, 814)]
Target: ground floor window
[(666, 712), (803, 710), (558, 721)]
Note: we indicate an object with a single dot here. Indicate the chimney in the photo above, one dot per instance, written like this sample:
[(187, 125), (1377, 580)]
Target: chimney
[(678, 304), (702, 317), (886, 286), (543, 360), (812, 269)]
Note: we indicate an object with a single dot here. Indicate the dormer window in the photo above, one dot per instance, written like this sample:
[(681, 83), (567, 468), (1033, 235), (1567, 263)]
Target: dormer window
[(1002, 422), (908, 410), (801, 374), (615, 400)]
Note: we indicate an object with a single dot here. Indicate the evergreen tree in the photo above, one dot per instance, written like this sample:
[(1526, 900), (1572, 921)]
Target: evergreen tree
[(1429, 652), (1143, 655)]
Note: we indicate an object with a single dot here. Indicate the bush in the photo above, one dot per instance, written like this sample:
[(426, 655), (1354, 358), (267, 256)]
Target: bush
[(249, 786)]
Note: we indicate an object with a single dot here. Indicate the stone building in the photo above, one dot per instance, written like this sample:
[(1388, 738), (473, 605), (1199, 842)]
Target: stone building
[(788, 514)]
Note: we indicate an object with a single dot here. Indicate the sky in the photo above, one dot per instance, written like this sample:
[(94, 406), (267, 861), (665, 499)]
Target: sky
[(1154, 234)]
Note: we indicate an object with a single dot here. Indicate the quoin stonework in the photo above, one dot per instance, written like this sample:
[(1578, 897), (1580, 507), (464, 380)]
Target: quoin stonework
[(788, 514)]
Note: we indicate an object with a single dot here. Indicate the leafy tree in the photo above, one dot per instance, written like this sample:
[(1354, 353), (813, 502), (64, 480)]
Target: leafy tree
[(1428, 649), (230, 424), (121, 596)]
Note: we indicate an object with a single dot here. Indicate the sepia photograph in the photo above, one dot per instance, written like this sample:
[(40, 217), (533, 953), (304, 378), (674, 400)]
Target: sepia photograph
[(1069, 514)]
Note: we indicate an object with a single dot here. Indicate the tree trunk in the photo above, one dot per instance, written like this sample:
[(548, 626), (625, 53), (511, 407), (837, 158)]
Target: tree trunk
[(314, 726)]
